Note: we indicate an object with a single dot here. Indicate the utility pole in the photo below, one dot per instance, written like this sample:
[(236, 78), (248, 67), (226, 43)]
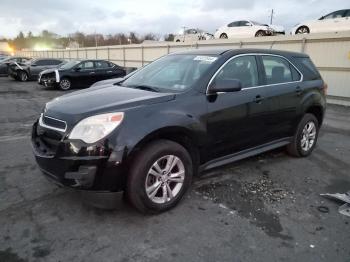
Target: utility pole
[(271, 16)]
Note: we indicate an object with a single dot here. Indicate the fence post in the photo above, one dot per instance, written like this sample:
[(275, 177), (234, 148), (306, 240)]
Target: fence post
[(142, 59), (108, 53), (124, 56), (96, 53), (303, 43)]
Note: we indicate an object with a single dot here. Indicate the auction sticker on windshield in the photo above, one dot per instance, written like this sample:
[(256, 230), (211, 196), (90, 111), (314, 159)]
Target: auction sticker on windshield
[(209, 59)]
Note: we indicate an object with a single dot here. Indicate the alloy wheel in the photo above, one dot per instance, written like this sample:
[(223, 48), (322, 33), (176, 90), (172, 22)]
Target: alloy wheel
[(65, 84), (302, 30), (308, 136), (165, 179)]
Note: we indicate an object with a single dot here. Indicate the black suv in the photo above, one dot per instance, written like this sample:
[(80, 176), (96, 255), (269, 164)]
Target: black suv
[(80, 73), (30, 70), (150, 132)]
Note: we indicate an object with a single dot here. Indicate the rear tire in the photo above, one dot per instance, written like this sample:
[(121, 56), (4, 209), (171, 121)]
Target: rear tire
[(305, 137), (22, 76), (151, 186), (65, 84)]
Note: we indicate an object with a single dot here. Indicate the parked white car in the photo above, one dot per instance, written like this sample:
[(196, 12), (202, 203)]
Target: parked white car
[(244, 28), (193, 34), (333, 22)]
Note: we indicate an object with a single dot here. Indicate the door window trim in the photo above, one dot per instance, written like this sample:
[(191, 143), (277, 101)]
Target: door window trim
[(258, 86)]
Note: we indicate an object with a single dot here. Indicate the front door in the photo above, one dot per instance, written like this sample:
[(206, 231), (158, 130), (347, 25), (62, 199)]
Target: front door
[(84, 74), (235, 120)]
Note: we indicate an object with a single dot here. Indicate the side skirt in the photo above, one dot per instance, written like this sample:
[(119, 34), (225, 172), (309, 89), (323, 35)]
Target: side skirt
[(245, 153)]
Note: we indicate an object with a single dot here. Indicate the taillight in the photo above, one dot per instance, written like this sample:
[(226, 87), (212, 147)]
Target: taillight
[(325, 88)]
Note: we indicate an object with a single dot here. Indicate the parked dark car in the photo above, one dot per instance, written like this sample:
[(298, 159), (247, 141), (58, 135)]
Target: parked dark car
[(30, 70), (4, 63), (149, 133), (80, 73)]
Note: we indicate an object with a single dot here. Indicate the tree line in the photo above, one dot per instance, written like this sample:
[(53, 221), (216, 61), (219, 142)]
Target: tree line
[(49, 39)]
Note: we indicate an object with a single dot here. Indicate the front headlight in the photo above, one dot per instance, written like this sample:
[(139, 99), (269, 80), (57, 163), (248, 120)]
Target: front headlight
[(94, 128)]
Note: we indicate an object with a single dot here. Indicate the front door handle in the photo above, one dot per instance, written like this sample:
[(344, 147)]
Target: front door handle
[(258, 99)]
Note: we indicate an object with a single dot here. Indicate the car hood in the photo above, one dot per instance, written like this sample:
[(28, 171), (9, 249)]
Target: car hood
[(77, 105)]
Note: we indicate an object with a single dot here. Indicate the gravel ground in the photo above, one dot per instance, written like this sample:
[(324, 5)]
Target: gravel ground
[(265, 208)]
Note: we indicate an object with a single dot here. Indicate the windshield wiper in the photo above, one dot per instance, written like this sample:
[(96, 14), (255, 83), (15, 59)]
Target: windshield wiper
[(145, 87)]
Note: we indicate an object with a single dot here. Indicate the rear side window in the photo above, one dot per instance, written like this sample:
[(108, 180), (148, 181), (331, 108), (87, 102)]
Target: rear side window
[(55, 62), (243, 68), (277, 70), (102, 64), (307, 67), (86, 65)]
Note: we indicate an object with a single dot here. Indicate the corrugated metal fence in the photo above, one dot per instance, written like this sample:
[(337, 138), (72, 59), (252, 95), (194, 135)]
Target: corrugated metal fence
[(330, 53)]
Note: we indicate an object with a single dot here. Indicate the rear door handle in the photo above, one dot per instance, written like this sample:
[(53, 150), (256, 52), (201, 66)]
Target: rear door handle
[(258, 99), (92, 73), (298, 90)]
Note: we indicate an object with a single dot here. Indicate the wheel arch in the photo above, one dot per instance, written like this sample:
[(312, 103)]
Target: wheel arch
[(317, 111), (176, 134)]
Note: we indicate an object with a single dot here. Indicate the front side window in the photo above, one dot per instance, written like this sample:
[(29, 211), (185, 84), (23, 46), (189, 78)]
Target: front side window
[(245, 23), (277, 70), (172, 73), (243, 68), (42, 62)]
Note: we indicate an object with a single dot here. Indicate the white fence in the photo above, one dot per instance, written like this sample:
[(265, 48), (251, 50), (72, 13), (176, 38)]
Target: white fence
[(330, 53)]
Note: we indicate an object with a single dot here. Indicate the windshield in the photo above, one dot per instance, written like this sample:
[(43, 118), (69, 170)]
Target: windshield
[(69, 65), (173, 73)]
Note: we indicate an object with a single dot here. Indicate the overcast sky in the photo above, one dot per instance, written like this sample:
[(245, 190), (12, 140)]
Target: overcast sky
[(157, 16)]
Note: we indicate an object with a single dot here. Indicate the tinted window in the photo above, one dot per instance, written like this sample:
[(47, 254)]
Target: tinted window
[(347, 14), (336, 14), (55, 62), (233, 24), (277, 70), (307, 67), (244, 23), (102, 64), (243, 68), (86, 65), (42, 62)]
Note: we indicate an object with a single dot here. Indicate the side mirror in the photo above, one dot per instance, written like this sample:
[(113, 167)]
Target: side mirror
[(225, 85)]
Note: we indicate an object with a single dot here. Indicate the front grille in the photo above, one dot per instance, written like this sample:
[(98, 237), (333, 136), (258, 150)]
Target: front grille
[(53, 123), (47, 76), (46, 140)]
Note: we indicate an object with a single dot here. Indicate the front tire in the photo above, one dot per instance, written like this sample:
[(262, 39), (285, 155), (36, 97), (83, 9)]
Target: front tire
[(305, 137), (260, 33), (160, 175), (223, 36), (302, 30), (65, 84), (22, 76)]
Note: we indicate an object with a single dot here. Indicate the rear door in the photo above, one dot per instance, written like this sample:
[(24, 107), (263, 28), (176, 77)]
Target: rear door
[(235, 120), (283, 95), (38, 66), (234, 29), (103, 70)]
